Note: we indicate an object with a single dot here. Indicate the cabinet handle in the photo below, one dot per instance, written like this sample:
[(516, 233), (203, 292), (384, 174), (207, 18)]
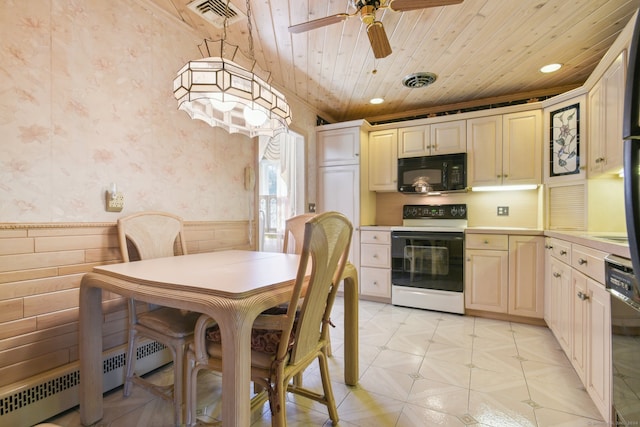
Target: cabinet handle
[(549, 246), (375, 255), (357, 154), (498, 176), (563, 252), (582, 261), (468, 259), (556, 274), (583, 296), (600, 160), (375, 283), (375, 237), (505, 176), (486, 242)]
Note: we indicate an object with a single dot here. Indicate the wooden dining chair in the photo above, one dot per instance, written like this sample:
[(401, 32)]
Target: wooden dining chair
[(304, 324), (294, 233), (147, 235)]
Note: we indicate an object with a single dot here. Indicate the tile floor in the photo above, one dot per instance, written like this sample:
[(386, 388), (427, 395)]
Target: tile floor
[(417, 368)]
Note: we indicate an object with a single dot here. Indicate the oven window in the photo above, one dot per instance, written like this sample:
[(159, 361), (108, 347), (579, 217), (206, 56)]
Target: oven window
[(430, 260), (427, 260)]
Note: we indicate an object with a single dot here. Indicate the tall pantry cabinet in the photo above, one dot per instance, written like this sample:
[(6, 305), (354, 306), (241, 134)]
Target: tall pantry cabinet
[(342, 182)]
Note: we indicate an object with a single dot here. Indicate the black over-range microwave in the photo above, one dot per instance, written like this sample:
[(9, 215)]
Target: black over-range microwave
[(432, 174)]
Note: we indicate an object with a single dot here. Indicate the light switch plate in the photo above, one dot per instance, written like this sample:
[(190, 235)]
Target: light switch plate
[(114, 204), (503, 210)]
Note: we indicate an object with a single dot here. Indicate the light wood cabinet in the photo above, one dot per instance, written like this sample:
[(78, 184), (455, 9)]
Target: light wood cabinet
[(580, 315), (414, 141), (448, 137), (375, 264), (431, 140), (606, 103), (383, 160), (339, 146), (599, 374), (560, 317), (502, 274), (505, 149), (486, 280), (526, 272), (339, 175)]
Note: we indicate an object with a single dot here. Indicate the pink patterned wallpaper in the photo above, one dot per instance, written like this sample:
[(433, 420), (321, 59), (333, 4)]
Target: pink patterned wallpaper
[(86, 99)]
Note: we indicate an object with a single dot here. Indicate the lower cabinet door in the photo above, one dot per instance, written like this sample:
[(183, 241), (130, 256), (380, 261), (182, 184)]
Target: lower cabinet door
[(375, 282)]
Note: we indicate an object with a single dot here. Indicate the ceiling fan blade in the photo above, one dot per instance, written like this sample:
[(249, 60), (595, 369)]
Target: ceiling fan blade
[(317, 23), (407, 5), (378, 39)]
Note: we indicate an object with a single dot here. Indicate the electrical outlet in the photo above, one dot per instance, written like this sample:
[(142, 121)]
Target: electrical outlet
[(503, 210), (312, 207), (114, 204)]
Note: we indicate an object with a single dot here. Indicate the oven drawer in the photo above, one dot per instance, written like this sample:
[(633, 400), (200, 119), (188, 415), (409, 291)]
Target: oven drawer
[(375, 255), (496, 242)]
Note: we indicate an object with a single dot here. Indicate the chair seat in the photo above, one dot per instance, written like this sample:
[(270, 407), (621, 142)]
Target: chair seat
[(170, 321)]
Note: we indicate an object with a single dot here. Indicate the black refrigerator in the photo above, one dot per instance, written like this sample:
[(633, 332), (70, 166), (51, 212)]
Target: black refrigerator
[(631, 135)]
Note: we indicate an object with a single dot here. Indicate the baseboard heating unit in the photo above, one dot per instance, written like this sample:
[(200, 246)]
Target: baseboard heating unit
[(43, 396)]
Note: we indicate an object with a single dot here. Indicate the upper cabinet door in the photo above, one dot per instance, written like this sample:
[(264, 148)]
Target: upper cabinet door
[(338, 146), (383, 160), (449, 137), (414, 141), (522, 148), (606, 104), (484, 160)]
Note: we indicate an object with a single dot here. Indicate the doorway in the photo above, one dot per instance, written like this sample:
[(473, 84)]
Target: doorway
[(281, 186)]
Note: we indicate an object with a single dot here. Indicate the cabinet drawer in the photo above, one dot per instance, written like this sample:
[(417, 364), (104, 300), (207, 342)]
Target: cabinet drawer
[(375, 255), (560, 250), (588, 261), (496, 242), (375, 282), (379, 237)]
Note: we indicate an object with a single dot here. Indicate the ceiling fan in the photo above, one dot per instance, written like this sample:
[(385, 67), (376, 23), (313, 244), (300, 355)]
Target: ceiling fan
[(366, 9)]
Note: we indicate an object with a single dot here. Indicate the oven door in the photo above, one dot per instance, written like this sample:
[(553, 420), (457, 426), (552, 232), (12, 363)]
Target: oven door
[(428, 260)]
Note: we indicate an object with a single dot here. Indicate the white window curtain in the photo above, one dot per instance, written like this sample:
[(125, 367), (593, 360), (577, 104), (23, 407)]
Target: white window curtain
[(281, 186)]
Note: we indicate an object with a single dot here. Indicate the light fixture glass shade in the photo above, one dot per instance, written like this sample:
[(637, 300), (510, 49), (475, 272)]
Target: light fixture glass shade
[(225, 94)]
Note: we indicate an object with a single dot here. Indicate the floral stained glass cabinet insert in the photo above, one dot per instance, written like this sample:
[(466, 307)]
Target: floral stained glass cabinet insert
[(564, 147)]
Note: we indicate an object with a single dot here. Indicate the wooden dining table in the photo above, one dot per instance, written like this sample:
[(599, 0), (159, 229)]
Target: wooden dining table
[(232, 287)]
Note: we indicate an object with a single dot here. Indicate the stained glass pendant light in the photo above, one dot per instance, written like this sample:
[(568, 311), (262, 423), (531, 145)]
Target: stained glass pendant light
[(227, 89)]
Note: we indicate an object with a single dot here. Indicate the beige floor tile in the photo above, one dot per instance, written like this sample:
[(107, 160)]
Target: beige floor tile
[(417, 368)]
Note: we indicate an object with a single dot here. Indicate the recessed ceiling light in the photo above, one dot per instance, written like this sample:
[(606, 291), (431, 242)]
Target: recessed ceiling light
[(376, 101), (550, 68)]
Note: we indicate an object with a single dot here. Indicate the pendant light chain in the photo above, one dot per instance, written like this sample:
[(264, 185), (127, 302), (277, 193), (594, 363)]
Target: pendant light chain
[(250, 28)]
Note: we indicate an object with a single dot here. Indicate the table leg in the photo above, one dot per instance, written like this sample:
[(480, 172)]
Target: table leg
[(236, 369), (351, 369), (90, 354)]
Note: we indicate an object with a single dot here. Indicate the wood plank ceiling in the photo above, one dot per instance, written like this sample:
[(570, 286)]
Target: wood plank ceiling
[(482, 51)]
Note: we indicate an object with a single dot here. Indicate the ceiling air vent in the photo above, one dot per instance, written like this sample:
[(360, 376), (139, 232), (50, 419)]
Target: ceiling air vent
[(215, 11), (416, 80)]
